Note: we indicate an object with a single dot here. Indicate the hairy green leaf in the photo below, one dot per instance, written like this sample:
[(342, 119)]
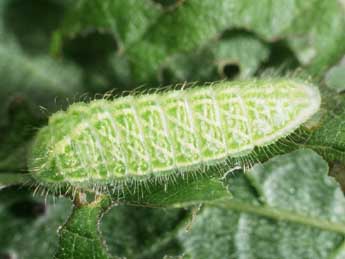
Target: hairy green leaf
[(236, 56), (315, 36), (126, 20), (294, 210)]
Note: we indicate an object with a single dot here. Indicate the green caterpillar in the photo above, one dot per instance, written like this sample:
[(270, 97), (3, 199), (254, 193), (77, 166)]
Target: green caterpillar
[(165, 133)]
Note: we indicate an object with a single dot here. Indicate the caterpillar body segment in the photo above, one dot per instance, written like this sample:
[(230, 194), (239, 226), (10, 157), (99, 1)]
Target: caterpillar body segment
[(158, 134)]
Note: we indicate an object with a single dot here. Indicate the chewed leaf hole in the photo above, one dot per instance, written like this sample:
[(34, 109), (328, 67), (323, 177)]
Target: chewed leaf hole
[(231, 70)]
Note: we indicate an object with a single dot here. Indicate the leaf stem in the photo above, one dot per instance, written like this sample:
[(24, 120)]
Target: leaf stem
[(80, 236), (282, 215)]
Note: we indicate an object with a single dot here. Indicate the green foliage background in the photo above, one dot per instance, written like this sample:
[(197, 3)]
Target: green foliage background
[(55, 52)]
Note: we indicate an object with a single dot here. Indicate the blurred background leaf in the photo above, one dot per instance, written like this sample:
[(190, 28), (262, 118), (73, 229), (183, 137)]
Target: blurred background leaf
[(335, 77), (314, 30), (29, 224), (32, 84)]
